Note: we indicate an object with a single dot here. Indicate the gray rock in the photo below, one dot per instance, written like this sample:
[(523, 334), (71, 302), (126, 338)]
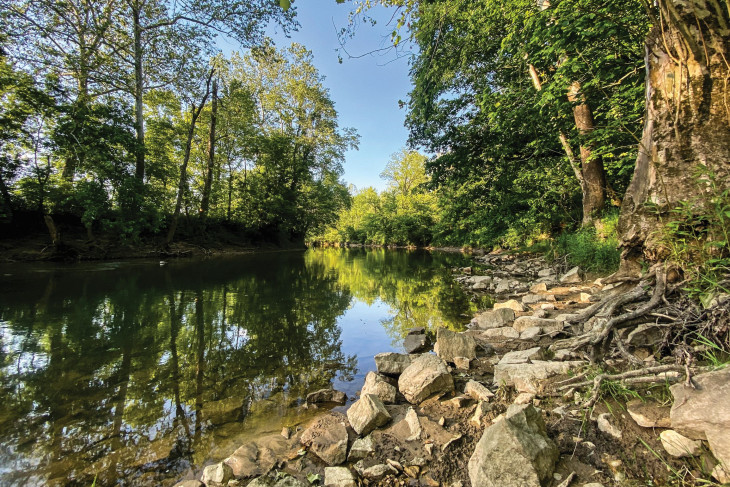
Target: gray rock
[(546, 272), (678, 445), (339, 477), (514, 451), (263, 481), (504, 332), (546, 325), (721, 474), (462, 363), (527, 377), (703, 413), (327, 438), (361, 448), (391, 363), (426, 376), (324, 396), (367, 413), (532, 333), (376, 472), (478, 391), (218, 474), (450, 344), (540, 287), (495, 318), (522, 356), (189, 483), (416, 343), (572, 276), (649, 414), (417, 330), (414, 425), (604, 424), (646, 336), (377, 385), (502, 287), (512, 304)]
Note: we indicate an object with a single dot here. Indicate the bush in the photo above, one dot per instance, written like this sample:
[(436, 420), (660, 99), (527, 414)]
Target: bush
[(594, 249)]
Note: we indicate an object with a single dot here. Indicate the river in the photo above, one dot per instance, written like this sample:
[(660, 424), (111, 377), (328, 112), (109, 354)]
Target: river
[(135, 373)]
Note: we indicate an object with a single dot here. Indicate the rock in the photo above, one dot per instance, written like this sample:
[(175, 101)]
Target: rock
[(367, 414), (538, 288), (547, 306), (527, 377), (679, 446), (502, 287), (376, 472), (646, 336), (540, 313), (522, 356), (286, 432), (532, 333), (339, 477), (721, 474), (290, 482), (426, 376), (605, 425), (495, 318), (531, 299), (478, 391), (648, 414), (703, 413), (391, 363), (546, 325), (483, 407), (512, 304), (414, 425), (416, 343), (189, 483), (218, 474), (462, 363), (417, 330), (327, 438), (377, 385), (263, 481), (524, 398), (451, 344), (361, 448), (326, 396), (480, 286), (562, 354), (514, 451), (546, 272), (585, 297), (504, 332), (572, 276)]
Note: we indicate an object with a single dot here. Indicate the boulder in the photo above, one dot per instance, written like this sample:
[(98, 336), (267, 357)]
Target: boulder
[(512, 304), (462, 363), (339, 477), (648, 414), (514, 451), (502, 287), (546, 272), (361, 448), (450, 344), (495, 318), (546, 325), (327, 438), (572, 276), (426, 376), (218, 474), (678, 445), (324, 396), (522, 356), (504, 332), (537, 298), (527, 377), (391, 363), (703, 413), (367, 413), (416, 343), (532, 333), (478, 391), (377, 384), (540, 287)]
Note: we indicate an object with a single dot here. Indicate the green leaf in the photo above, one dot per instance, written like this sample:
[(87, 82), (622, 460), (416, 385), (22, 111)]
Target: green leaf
[(313, 477), (285, 4)]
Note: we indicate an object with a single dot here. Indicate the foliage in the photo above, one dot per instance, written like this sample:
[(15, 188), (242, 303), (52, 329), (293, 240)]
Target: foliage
[(592, 249)]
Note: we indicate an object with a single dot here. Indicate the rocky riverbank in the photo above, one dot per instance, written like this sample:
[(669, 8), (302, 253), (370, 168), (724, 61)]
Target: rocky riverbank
[(506, 403)]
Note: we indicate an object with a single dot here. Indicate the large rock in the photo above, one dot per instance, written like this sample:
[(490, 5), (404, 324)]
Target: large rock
[(515, 451), (478, 391), (703, 413), (361, 448), (546, 325), (367, 413), (324, 396), (512, 304), (504, 332), (678, 445), (391, 363), (218, 474), (527, 377), (522, 356), (450, 344), (327, 438), (416, 343), (426, 376), (339, 477), (572, 276), (376, 384), (495, 318)]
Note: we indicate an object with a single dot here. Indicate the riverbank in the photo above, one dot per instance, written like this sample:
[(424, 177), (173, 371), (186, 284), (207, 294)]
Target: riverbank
[(511, 401)]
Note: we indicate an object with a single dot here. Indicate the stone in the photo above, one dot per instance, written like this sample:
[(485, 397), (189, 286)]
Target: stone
[(367, 414), (527, 377), (540, 313), (546, 325), (414, 425), (504, 332), (218, 474), (426, 376), (547, 306), (290, 482), (416, 343), (361, 448), (339, 477), (524, 398), (377, 384), (477, 391), (417, 330), (514, 451), (483, 407), (649, 414), (286, 432), (572, 276), (376, 472), (512, 304), (562, 354), (451, 344), (531, 299), (605, 426), (585, 297), (532, 333), (391, 363), (462, 363), (721, 474), (678, 445), (327, 438), (522, 356), (646, 335), (546, 272), (263, 481), (326, 396), (189, 483), (502, 287), (538, 288), (494, 318), (703, 413)]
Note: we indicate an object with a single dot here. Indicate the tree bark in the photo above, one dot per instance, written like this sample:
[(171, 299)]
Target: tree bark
[(138, 93), (205, 200), (687, 124), (7, 198)]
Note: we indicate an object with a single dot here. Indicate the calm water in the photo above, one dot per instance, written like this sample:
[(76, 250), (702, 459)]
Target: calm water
[(138, 373)]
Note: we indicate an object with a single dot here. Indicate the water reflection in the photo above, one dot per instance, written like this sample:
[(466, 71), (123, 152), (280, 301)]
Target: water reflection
[(135, 373)]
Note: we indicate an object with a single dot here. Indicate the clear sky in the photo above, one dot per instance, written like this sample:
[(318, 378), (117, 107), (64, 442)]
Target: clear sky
[(365, 90)]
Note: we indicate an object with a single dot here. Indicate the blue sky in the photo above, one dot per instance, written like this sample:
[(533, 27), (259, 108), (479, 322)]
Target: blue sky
[(365, 90)]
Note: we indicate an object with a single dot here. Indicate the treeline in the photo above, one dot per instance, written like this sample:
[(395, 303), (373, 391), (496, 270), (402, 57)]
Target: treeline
[(122, 117)]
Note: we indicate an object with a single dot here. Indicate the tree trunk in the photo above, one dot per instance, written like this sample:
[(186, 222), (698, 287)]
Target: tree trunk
[(687, 123), (138, 94), (7, 198), (594, 176), (205, 200)]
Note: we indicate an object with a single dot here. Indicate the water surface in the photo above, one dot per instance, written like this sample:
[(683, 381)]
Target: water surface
[(136, 373)]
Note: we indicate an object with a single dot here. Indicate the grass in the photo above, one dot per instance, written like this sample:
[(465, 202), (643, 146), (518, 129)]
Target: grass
[(594, 248)]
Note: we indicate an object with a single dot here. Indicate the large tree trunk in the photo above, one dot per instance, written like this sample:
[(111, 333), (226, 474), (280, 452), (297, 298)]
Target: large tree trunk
[(138, 93), (687, 122), (205, 200)]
